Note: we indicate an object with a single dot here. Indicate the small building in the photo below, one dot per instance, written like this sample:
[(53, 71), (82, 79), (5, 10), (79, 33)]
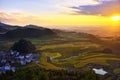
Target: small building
[(9, 61), (100, 71)]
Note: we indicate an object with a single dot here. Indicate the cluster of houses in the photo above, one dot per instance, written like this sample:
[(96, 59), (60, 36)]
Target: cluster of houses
[(10, 61)]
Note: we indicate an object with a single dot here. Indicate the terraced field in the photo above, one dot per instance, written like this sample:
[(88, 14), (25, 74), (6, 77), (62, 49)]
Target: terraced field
[(70, 49), (72, 52), (45, 64), (83, 60), (79, 55)]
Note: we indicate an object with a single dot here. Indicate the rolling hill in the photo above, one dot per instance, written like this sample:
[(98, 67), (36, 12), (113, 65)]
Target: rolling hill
[(7, 26), (28, 31)]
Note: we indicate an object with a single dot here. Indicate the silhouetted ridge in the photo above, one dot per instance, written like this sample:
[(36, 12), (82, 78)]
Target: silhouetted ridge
[(28, 33), (7, 27)]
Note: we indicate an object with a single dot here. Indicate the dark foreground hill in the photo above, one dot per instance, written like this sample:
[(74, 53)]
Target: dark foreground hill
[(2, 30), (7, 26), (33, 31), (29, 31)]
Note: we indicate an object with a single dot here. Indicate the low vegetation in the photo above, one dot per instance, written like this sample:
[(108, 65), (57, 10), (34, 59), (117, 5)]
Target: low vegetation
[(66, 56), (37, 73)]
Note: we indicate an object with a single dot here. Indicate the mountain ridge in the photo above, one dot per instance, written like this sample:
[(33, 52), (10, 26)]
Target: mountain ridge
[(28, 31)]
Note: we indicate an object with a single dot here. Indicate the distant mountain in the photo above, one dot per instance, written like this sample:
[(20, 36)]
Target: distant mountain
[(7, 27), (28, 33), (33, 31), (2, 30), (34, 26), (86, 36), (98, 30), (75, 34)]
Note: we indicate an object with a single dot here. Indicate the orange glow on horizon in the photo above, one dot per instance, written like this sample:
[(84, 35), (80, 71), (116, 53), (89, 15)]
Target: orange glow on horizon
[(115, 18), (60, 20)]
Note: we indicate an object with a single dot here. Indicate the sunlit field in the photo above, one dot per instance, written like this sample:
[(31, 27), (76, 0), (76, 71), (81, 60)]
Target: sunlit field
[(59, 39)]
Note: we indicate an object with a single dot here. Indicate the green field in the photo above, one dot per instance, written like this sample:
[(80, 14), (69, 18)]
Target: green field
[(69, 51)]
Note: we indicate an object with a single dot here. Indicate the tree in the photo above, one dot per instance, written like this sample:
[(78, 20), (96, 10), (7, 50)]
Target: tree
[(23, 46)]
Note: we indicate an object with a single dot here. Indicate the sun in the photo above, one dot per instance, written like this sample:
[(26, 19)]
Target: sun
[(115, 18)]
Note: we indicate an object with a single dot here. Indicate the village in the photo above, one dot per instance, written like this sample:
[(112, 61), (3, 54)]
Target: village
[(12, 60)]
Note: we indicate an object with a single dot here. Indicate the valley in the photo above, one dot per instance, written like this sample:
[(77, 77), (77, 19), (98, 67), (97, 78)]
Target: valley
[(73, 51), (70, 51)]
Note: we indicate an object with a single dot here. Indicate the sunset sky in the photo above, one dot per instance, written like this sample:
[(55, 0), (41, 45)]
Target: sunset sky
[(60, 13)]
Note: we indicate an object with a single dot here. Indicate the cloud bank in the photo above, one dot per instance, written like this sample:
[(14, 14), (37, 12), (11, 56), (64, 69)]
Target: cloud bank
[(19, 18), (104, 8)]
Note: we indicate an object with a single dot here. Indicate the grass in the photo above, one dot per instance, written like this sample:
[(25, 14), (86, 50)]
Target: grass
[(45, 64), (63, 48), (5, 45), (70, 49), (100, 61), (74, 44), (117, 71), (81, 61), (53, 55)]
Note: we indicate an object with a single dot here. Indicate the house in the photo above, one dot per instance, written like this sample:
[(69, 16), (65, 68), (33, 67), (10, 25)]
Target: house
[(17, 53), (13, 69), (3, 61), (22, 62), (7, 67), (9, 61), (100, 71), (21, 57), (12, 52)]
